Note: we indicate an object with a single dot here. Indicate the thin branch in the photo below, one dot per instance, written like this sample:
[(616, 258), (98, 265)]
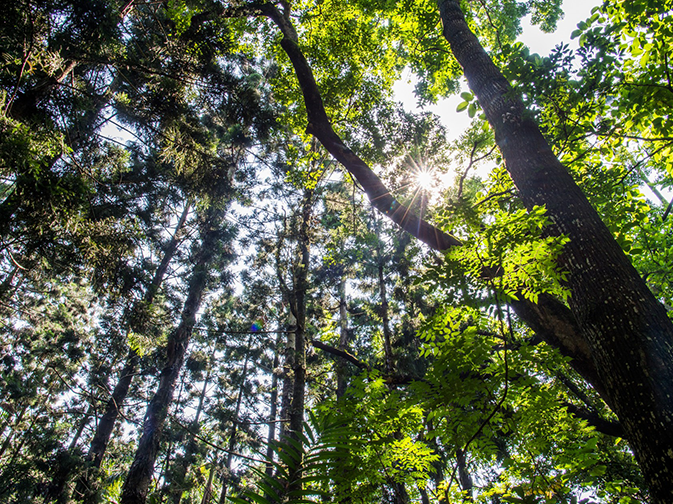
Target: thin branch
[(341, 353), (213, 445)]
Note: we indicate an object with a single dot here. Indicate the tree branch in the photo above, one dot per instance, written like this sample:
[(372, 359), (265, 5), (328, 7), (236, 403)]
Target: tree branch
[(341, 354), (320, 126), (550, 318), (607, 427)]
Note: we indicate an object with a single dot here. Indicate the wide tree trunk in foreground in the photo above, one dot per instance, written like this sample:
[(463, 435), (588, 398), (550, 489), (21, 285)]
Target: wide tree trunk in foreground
[(139, 476), (627, 330)]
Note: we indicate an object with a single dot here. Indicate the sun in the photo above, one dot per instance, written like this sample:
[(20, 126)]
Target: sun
[(425, 179)]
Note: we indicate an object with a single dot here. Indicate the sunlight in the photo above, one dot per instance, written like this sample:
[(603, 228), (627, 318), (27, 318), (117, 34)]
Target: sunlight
[(425, 179)]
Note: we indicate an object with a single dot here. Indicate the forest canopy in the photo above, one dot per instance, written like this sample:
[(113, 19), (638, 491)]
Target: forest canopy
[(234, 269)]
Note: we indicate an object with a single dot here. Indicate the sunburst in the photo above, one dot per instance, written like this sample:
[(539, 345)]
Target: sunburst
[(425, 179)]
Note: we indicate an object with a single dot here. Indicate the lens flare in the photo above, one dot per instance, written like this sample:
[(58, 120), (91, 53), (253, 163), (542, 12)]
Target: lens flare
[(425, 180)]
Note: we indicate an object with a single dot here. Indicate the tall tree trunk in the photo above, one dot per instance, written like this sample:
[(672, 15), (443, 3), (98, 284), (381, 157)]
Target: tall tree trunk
[(139, 476), (383, 296), (234, 423), (288, 376), (273, 406), (341, 367), (298, 308), (296, 356), (627, 330), (177, 483), (57, 491), (85, 488)]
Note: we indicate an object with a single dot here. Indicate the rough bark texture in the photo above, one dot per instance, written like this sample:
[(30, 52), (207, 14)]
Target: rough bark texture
[(555, 324), (629, 336), (139, 476)]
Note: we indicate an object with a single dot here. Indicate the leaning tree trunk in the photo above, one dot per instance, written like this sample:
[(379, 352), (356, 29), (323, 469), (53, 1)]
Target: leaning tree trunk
[(622, 332), (557, 324), (627, 330), (139, 476)]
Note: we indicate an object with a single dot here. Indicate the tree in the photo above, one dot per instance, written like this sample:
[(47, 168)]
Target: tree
[(617, 315), (185, 80)]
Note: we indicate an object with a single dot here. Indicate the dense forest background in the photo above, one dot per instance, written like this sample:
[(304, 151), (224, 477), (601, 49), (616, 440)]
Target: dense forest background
[(233, 269)]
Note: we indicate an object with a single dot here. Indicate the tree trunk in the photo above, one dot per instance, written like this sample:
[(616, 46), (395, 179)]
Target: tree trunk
[(85, 488), (273, 406), (234, 424), (177, 484), (383, 296), (139, 476), (341, 366), (627, 330), (298, 307), (208, 491), (551, 316), (288, 379)]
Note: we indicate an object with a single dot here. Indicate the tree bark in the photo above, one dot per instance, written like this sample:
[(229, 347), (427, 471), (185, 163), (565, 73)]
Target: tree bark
[(85, 487), (628, 333), (177, 484), (273, 406), (139, 476)]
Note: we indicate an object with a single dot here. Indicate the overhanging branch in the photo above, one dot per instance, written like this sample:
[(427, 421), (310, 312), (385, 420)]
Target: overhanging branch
[(547, 318)]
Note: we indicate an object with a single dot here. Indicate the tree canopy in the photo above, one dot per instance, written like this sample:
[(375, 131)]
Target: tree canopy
[(234, 269)]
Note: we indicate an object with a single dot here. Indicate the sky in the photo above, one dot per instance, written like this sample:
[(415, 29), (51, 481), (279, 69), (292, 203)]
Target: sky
[(538, 42)]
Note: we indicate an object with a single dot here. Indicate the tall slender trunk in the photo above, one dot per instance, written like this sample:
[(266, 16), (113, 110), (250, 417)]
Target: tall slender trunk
[(341, 368), (628, 332), (139, 476), (385, 316), (177, 484), (273, 406), (85, 488), (234, 425), (298, 308), (288, 376)]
